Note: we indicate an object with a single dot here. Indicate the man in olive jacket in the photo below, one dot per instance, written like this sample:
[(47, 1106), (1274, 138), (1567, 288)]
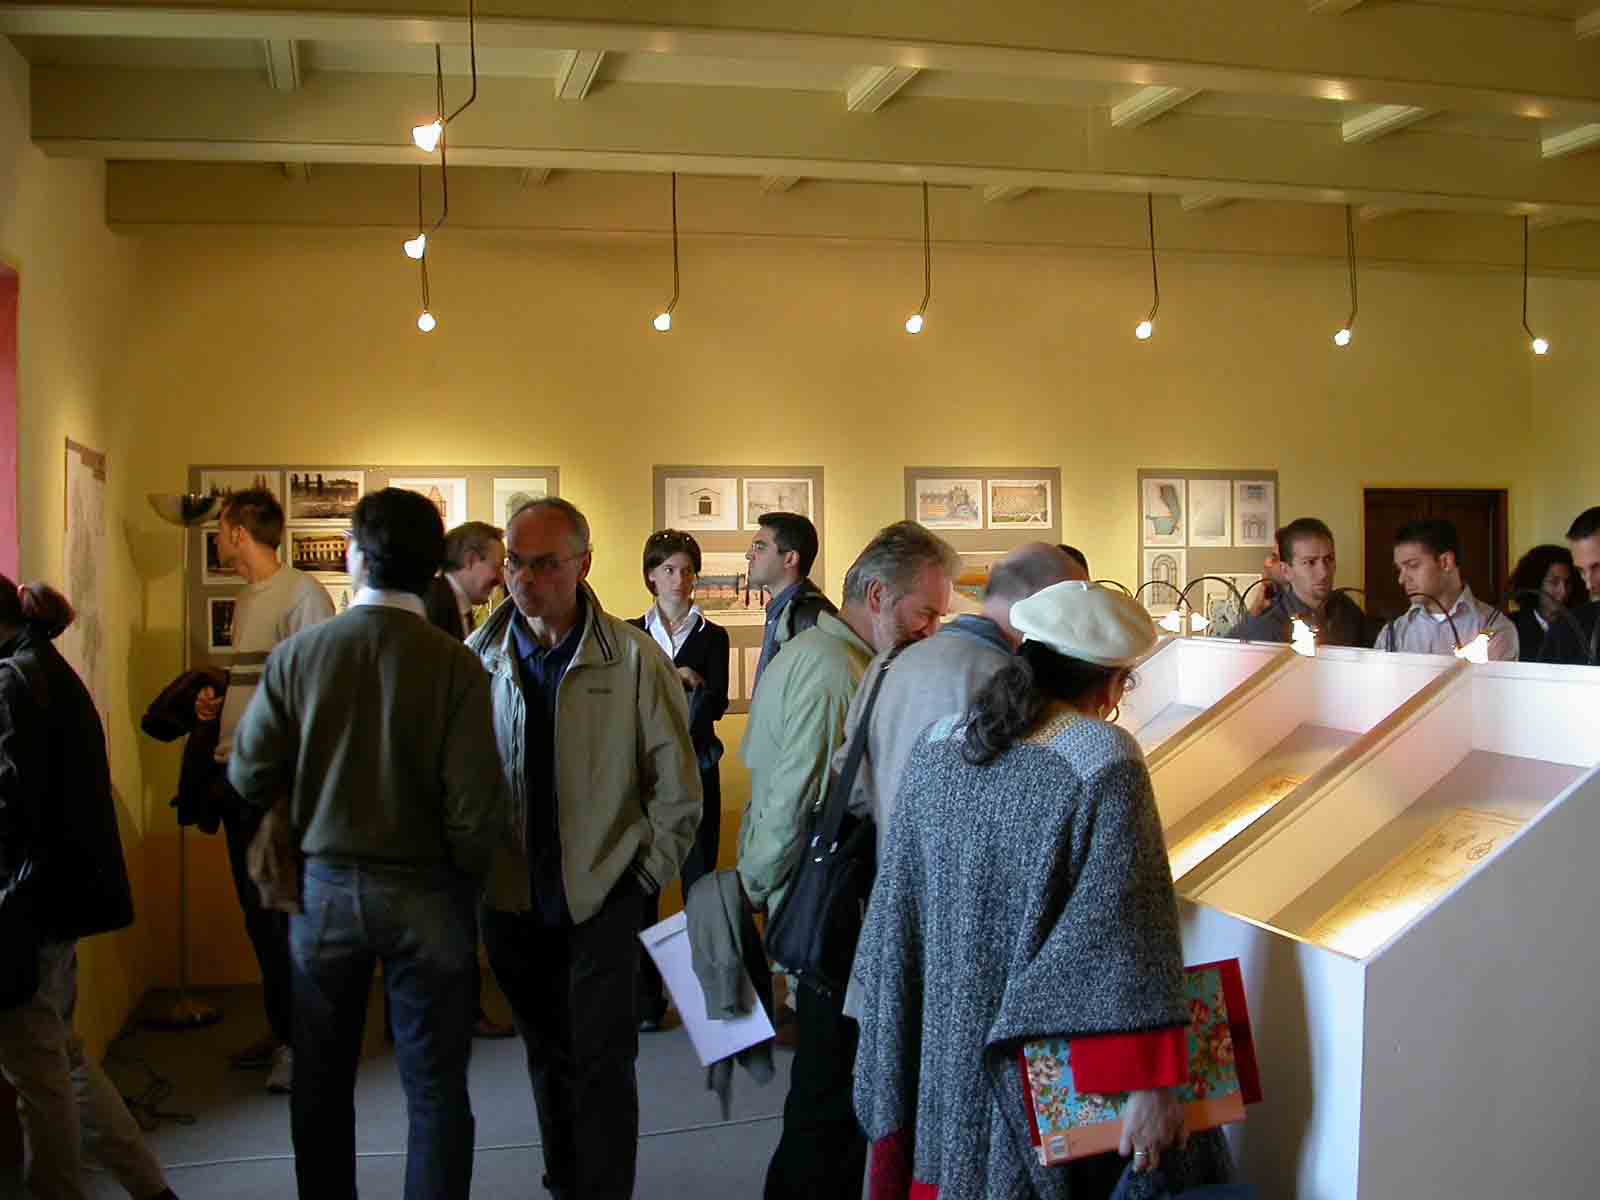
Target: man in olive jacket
[(593, 733)]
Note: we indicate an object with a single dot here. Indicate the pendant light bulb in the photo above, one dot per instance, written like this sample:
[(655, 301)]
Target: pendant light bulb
[(1143, 330), (1342, 338), (426, 321), (426, 137), (914, 323), (416, 247), (1540, 346), (663, 322)]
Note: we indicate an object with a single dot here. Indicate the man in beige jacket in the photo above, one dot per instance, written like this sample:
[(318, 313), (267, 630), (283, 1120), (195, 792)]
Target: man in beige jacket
[(593, 733)]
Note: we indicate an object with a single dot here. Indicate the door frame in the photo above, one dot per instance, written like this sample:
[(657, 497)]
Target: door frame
[(1502, 523)]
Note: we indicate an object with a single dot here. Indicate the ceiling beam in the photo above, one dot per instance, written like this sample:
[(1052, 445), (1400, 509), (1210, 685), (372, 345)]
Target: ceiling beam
[(1148, 104), (997, 193), (283, 63), (1202, 201), (534, 176), (576, 74), (299, 172), (1374, 122), (773, 184), (1550, 220), (1368, 213), (1588, 24), (1571, 141), (517, 122), (1330, 8), (1444, 58), (876, 86)]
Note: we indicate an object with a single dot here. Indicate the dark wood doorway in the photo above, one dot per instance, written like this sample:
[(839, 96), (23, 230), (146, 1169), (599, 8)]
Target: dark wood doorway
[(1480, 520)]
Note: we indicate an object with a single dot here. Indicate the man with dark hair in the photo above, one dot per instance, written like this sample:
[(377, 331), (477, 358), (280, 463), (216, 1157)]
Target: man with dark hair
[(1561, 644), (1077, 556), (1308, 564), (780, 557), (471, 571), (275, 603), (377, 727), (1445, 616), (593, 730), (895, 593)]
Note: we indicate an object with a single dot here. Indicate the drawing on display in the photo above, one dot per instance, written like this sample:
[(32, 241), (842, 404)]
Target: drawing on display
[(950, 503), (763, 496), (974, 577), (324, 495), (723, 590), (1255, 512), (318, 551), (694, 502), (1163, 567), (1164, 511), (224, 483), (449, 496), (1210, 512), (512, 494), (84, 642), (219, 623), (1020, 504)]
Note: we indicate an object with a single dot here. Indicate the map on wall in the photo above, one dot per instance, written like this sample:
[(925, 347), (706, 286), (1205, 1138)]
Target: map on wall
[(84, 642)]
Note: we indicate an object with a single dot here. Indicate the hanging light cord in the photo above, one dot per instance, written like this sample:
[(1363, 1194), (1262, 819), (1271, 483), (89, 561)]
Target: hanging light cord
[(927, 253), (1525, 327), (674, 303), (1155, 278), (472, 50), (1350, 257), (444, 138), (423, 261)]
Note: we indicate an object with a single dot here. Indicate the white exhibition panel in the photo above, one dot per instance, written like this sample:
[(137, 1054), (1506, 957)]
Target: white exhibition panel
[(1182, 677)]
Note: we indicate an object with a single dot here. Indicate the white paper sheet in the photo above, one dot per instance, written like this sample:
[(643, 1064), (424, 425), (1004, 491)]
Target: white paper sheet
[(713, 1041)]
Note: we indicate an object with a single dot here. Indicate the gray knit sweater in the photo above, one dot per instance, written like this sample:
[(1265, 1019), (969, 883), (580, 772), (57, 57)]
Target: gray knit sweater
[(1024, 899)]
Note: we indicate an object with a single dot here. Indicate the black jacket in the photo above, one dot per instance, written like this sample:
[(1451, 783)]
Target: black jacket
[(440, 603), (57, 811), (202, 784), (705, 651), (1561, 644)]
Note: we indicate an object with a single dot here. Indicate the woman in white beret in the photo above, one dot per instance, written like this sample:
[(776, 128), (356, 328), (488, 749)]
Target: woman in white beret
[(1024, 893)]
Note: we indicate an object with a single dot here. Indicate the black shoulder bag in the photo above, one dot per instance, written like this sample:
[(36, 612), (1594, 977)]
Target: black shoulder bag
[(814, 932)]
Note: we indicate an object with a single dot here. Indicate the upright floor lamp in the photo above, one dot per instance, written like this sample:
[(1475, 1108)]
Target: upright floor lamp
[(186, 510)]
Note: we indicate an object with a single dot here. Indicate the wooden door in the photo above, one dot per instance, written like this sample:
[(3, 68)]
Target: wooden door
[(1480, 521)]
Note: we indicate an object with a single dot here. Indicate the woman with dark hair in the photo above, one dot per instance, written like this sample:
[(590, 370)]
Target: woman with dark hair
[(62, 878), (1025, 894), (1547, 570), (698, 650)]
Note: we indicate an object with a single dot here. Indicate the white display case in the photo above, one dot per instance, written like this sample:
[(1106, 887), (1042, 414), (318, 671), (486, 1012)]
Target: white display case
[(1446, 1050), (1183, 677)]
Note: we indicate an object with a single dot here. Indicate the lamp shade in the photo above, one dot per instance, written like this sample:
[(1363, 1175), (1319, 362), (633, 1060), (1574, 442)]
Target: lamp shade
[(184, 508)]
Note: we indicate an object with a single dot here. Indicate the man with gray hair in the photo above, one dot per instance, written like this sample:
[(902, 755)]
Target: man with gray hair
[(894, 593), (593, 733)]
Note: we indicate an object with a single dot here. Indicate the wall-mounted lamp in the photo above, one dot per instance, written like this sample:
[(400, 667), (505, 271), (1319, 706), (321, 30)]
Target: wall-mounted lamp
[(917, 320), (1147, 327), (663, 319), (1539, 345), (430, 136), (1342, 338)]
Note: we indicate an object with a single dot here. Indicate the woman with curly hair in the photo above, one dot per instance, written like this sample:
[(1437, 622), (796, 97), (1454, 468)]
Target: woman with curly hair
[(1547, 570)]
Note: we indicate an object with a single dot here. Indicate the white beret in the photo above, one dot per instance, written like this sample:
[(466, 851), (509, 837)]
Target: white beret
[(1087, 622)]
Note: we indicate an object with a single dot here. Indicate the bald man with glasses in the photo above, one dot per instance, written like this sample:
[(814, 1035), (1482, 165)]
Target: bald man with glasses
[(593, 732)]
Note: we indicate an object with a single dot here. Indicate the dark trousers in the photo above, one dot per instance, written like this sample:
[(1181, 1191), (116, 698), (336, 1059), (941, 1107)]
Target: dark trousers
[(822, 1151), (573, 992), (418, 924), (267, 928), (702, 860)]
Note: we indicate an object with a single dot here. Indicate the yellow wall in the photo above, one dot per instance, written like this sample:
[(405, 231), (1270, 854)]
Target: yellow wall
[(278, 346), (75, 283), (1566, 392)]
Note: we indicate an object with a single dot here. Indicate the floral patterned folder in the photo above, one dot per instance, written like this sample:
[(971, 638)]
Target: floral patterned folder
[(1068, 1124)]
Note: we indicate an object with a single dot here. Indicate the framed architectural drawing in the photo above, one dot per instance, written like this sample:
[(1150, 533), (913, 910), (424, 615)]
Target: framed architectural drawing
[(1255, 512), (83, 644), (219, 624), (702, 502), (1210, 512), (1164, 511), (225, 483), (950, 503), (975, 568), (324, 494), (512, 494), (723, 590), (449, 496), (319, 552), (762, 496), (340, 593), (1166, 573), (1021, 504), (217, 575)]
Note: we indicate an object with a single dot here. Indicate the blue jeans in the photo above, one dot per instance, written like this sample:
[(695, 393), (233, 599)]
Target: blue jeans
[(417, 922)]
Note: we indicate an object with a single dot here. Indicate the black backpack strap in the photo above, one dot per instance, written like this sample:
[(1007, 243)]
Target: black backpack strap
[(839, 794)]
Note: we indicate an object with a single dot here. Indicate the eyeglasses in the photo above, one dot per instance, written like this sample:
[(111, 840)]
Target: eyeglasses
[(545, 564)]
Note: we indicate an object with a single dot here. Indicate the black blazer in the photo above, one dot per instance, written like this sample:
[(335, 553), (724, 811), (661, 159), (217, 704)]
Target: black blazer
[(705, 651), (440, 603), (1530, 637)]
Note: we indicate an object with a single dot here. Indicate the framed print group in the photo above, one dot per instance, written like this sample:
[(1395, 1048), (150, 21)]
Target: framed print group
[(1195, 523)]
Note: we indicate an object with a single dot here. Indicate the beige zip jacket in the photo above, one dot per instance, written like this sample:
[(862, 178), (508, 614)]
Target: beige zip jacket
[(627, 785)]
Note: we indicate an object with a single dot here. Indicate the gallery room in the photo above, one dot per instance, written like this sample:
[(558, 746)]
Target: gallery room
[(1151, 281)]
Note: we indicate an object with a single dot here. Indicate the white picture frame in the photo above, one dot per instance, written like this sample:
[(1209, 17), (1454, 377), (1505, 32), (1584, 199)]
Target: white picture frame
[(1020, 504), (319, 551), (449, 495), (752, 659), (1163, 511), (1255, 512), (775, 494), (1169, 565), (701, 502), (225, 481), (949, 503), (322, 495), (511, 494), (723, 592), (219, 624), (1210, 513)]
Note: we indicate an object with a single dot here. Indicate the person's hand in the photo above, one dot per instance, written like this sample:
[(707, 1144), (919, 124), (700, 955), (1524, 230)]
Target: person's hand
[(1152, 1121), (691, 678), (207, 705)]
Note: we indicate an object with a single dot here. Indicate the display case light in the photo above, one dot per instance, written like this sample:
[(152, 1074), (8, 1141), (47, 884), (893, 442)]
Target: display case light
[(917, 320), (427, 321), (416, 247), (1475, 651), (1303, 638), (426, 137)]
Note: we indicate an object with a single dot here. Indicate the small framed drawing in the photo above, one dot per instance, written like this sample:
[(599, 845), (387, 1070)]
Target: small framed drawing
[(324, 494), (1210, 512), (219, 623), (1219, 605), (1165, 575), (1255, 512), (512, 494), (319, 552), (1020, 504), (763, 496), (449, 496), (224, 483), (217, 575), (723, 590), (950, 503), (1245, 585), (974, 577), (1164, 512), (701, 502)]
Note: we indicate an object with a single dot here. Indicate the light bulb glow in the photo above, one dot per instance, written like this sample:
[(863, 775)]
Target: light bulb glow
[(1172, 622), (1303, 638), (914, 323), (662, 322), (426, 137), (416, 247), (1475, 651), (426, 321), (1541, 346), (1143, 330), (1342, 338)]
